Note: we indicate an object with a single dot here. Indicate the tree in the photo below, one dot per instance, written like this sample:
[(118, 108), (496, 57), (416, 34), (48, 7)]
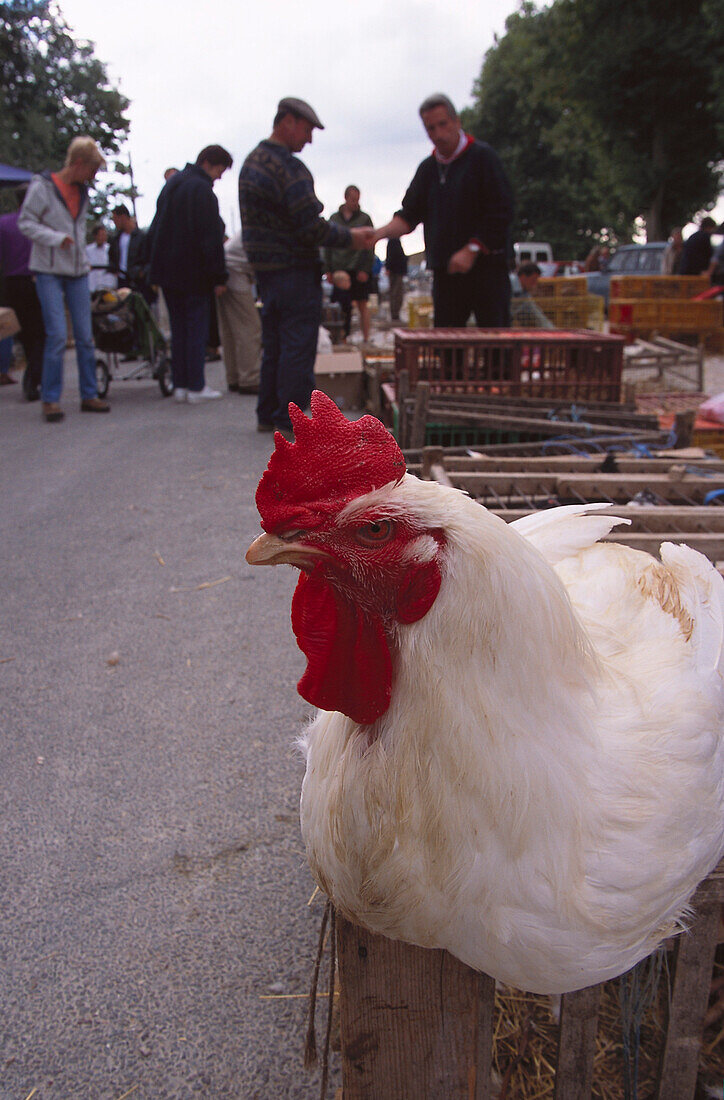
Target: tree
[(650, 82), (552, 149), (52, 88), (604, 111)]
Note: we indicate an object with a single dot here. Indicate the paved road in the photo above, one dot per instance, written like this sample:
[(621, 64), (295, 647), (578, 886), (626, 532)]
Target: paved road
[(154, 888)]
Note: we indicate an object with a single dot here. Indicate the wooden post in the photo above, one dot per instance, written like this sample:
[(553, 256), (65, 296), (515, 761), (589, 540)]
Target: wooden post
[(690, 985), (403, 392), (415, 1023), (419, 415), (577, 1043)]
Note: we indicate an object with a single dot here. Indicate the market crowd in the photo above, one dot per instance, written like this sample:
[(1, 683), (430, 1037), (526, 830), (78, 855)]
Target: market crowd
[(206, 286)]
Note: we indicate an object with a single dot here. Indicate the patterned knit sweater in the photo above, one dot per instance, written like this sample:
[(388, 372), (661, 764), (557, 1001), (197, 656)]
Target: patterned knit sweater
[(280, 213)]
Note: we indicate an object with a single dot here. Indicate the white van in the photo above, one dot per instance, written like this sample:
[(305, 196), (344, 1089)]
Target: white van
[(539, 252)]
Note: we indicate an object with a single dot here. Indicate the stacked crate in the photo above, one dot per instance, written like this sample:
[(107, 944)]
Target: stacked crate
[(640, 305), (567, 303), (568, 366)]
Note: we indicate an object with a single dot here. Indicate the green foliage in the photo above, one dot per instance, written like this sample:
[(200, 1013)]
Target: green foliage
[(594, 108), (650, 83), (52, 89)]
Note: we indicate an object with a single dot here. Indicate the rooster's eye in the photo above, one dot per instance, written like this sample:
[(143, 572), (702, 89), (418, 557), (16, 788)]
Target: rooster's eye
[(376, 533)]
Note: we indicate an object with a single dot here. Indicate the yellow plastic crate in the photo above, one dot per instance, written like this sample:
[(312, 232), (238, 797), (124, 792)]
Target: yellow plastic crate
[(573, 313), (634, 312), (657, 286), (688, 316), (565, 286), (665, 315), (419, 312)]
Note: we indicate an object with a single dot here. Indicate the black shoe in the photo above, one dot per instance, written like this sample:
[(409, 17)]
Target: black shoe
[(247, 389), (261, 427), (233, 387)]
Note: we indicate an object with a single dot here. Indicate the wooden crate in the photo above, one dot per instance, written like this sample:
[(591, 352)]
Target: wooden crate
[(657, 286), (416, 1022), (577, 365)]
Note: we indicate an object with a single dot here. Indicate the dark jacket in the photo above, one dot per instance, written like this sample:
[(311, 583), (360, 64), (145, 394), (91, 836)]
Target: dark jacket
[(696, 253), (186, 238), (280, 213), (135, 251), (468, 199), (395, 260)]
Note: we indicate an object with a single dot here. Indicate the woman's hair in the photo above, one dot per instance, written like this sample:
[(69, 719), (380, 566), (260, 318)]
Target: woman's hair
[(85, 149)]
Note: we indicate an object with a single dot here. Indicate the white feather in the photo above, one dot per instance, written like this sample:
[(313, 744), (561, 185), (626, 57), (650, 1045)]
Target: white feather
[(546, 789)]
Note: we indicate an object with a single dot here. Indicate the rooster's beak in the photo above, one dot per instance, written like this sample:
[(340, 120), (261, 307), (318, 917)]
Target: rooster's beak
[(270, 550)]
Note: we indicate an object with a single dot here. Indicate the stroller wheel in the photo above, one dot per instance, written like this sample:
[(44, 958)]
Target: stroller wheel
[(103, 377), (165, 381)]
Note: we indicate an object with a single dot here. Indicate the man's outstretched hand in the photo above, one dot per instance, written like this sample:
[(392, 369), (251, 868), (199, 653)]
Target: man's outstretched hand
[(363, 237)]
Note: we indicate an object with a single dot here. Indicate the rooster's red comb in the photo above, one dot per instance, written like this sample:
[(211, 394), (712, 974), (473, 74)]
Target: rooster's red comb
[(332, 461)]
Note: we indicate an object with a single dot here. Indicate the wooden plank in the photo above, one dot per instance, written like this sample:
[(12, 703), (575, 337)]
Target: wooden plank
[(403, 389), (574, 464), (410, 1021), (419, 414), (665, 518), (577, 1044), (485, 1032), (712, 546), (691, 981), (591, 487), (500, 422)]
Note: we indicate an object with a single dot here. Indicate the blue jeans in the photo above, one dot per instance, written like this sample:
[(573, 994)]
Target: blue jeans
[(290, 317), (189, 317), (55, 291)]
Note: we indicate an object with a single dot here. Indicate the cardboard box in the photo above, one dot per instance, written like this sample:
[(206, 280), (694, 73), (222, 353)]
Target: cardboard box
[(340, 374), (8, 322)]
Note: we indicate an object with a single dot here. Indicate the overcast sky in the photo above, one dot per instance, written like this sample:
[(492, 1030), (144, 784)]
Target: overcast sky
[(199, 74)]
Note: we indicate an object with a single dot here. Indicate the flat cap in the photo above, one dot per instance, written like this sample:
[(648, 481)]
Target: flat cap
[(291, 105)]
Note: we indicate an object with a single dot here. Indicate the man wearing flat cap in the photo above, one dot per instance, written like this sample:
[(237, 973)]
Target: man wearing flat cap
[(283, 231)]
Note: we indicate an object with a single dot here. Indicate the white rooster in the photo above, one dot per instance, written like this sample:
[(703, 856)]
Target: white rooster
[(518, 754)]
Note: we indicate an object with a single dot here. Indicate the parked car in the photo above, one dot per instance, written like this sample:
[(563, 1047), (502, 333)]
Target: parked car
[(630, 259)]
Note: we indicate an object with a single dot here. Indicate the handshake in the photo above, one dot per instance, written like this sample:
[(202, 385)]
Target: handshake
[(365, 237)]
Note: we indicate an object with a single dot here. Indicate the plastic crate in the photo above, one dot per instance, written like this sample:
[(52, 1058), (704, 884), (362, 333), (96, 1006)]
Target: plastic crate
[(664, 315), (530, 363), (657, 286), (420, 312), (573, 313), (569, 286)]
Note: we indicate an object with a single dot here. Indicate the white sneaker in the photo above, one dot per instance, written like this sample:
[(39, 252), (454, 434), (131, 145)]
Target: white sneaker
[(206, 394), (179, 394)]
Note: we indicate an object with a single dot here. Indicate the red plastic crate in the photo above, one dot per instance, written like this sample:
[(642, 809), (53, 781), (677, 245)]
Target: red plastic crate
[(524, 362)]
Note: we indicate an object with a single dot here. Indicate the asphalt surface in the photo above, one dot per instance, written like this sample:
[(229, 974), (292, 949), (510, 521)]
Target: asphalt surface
[(154, 886)]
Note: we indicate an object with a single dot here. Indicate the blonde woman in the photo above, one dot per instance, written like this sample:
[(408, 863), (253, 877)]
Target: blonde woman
[(53, 216)]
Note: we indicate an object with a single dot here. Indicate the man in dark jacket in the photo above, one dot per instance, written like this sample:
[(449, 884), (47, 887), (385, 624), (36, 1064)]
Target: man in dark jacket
[(697, 251), (462, 196), (186, 249), (283, 231)]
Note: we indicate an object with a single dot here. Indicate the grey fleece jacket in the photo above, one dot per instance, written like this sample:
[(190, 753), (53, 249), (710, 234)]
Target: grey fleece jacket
[(46, 220)]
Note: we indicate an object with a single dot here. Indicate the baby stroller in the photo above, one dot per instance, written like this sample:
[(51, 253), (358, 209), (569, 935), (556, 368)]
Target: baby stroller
[(124, 325)]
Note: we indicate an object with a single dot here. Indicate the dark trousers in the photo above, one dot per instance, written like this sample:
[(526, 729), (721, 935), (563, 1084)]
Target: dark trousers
[(21, 296), (189, 318), (290, 317), (484, 291), (396, 293)]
